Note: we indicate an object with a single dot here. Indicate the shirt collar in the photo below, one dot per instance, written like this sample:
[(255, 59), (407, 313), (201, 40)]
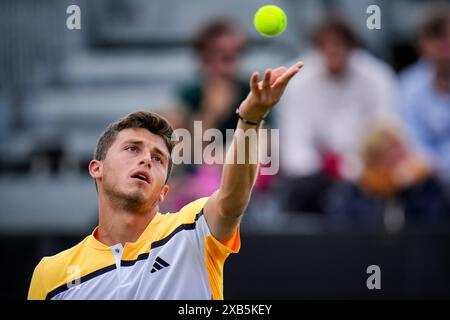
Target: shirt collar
[(96, 244)]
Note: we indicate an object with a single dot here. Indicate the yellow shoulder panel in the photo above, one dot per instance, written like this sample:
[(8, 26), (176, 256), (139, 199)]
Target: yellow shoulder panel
[(67, 267), (216, 252), (169, 222)]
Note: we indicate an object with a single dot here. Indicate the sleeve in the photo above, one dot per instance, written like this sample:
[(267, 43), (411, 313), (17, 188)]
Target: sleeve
[(194, 212), (413, 116), (37, 290), (213, 252), (387, 97), (384, 98)]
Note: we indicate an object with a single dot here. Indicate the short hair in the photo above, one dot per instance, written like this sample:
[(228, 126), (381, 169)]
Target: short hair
[(212, 30), (378, 135), (150, 121), (334, 23), (435, 22)]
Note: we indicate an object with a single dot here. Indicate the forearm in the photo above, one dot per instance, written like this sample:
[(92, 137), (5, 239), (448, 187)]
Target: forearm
[(240, 170), (225, 207)]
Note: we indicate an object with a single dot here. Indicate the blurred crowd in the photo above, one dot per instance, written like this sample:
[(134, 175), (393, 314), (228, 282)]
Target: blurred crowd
[(356, 138)]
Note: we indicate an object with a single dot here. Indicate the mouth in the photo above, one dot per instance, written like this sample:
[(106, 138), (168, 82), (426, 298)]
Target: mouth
[(142, 176)]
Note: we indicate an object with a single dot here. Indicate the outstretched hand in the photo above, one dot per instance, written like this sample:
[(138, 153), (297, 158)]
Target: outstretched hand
[(266, 93)]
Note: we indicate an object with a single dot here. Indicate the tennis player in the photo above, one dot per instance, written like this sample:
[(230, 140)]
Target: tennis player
[(136, 252)]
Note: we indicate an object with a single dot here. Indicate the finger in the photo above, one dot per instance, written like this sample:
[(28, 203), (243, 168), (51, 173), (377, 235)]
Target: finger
[(284, 79), (266, 79), (276, 73), (254, 82)]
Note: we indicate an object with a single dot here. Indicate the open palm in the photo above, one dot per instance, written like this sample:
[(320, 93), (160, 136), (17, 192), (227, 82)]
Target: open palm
[(266, 93)]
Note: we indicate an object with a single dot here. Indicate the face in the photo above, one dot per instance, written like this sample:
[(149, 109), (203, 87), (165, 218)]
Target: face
[(134, 170), (437, 49), (335, 52), (394, 151), (222, 55), (391, 153)]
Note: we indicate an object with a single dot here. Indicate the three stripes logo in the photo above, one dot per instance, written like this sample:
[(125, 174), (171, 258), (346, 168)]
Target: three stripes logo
[(159, 264)]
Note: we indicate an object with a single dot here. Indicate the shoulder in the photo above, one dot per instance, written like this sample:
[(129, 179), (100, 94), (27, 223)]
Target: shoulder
[(418, 94), (190, 213), (368, 64), (52, 263), (190, 217), (52, 271), (190, 94), (415, 72), (311, 73)]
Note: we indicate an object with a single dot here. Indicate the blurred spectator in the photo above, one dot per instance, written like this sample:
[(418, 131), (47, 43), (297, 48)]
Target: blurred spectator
[(325, 113), (388, 163), (211, 98), (426, 99), (392, 173), (216, 93), (428, 47)]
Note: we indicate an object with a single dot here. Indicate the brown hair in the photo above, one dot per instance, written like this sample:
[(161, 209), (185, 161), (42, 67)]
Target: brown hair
[(334, 23), (435, 22), (150, 121), (212, 30), (377, 139)]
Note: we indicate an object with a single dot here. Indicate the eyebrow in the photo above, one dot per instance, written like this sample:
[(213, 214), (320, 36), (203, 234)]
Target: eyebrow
[(141, 143)]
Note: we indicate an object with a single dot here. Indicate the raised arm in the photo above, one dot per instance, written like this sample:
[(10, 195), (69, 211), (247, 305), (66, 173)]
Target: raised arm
[(224, 209)]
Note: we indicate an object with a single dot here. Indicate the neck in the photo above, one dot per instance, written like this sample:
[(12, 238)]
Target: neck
[(442, 81), (218, 77), (338, 73), (120, 225)]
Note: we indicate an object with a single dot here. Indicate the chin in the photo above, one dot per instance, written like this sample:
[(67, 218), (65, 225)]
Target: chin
[(137, 196), (135, 201), (132, 197)]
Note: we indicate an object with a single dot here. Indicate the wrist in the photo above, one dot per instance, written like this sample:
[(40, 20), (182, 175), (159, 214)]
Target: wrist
[(254, 121)]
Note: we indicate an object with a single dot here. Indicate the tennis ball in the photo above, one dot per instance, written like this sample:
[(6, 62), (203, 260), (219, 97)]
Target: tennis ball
[(270, 21)]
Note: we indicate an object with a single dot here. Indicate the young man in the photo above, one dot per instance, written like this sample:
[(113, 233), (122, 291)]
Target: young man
[(137, 252), (326, 113), (425, 105)]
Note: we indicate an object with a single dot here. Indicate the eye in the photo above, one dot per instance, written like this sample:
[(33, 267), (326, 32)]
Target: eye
[(157, 158), (132, 149)]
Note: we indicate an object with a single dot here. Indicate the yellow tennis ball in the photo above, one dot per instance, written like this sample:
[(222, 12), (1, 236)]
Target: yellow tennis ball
[(270, 21)]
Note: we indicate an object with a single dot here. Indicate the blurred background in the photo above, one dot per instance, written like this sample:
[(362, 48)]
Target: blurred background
[(364, 133)]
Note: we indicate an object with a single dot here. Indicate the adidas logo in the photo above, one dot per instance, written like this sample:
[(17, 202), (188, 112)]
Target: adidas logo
[(159, 264)]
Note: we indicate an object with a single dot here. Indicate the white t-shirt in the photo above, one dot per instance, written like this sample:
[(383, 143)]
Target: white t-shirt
[(319, 111)]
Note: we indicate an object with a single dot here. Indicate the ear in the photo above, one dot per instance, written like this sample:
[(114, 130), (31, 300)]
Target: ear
[(163, 193), (95, 169)]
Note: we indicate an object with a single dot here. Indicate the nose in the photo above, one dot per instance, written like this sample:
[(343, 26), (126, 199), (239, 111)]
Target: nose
[(146, 162)]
